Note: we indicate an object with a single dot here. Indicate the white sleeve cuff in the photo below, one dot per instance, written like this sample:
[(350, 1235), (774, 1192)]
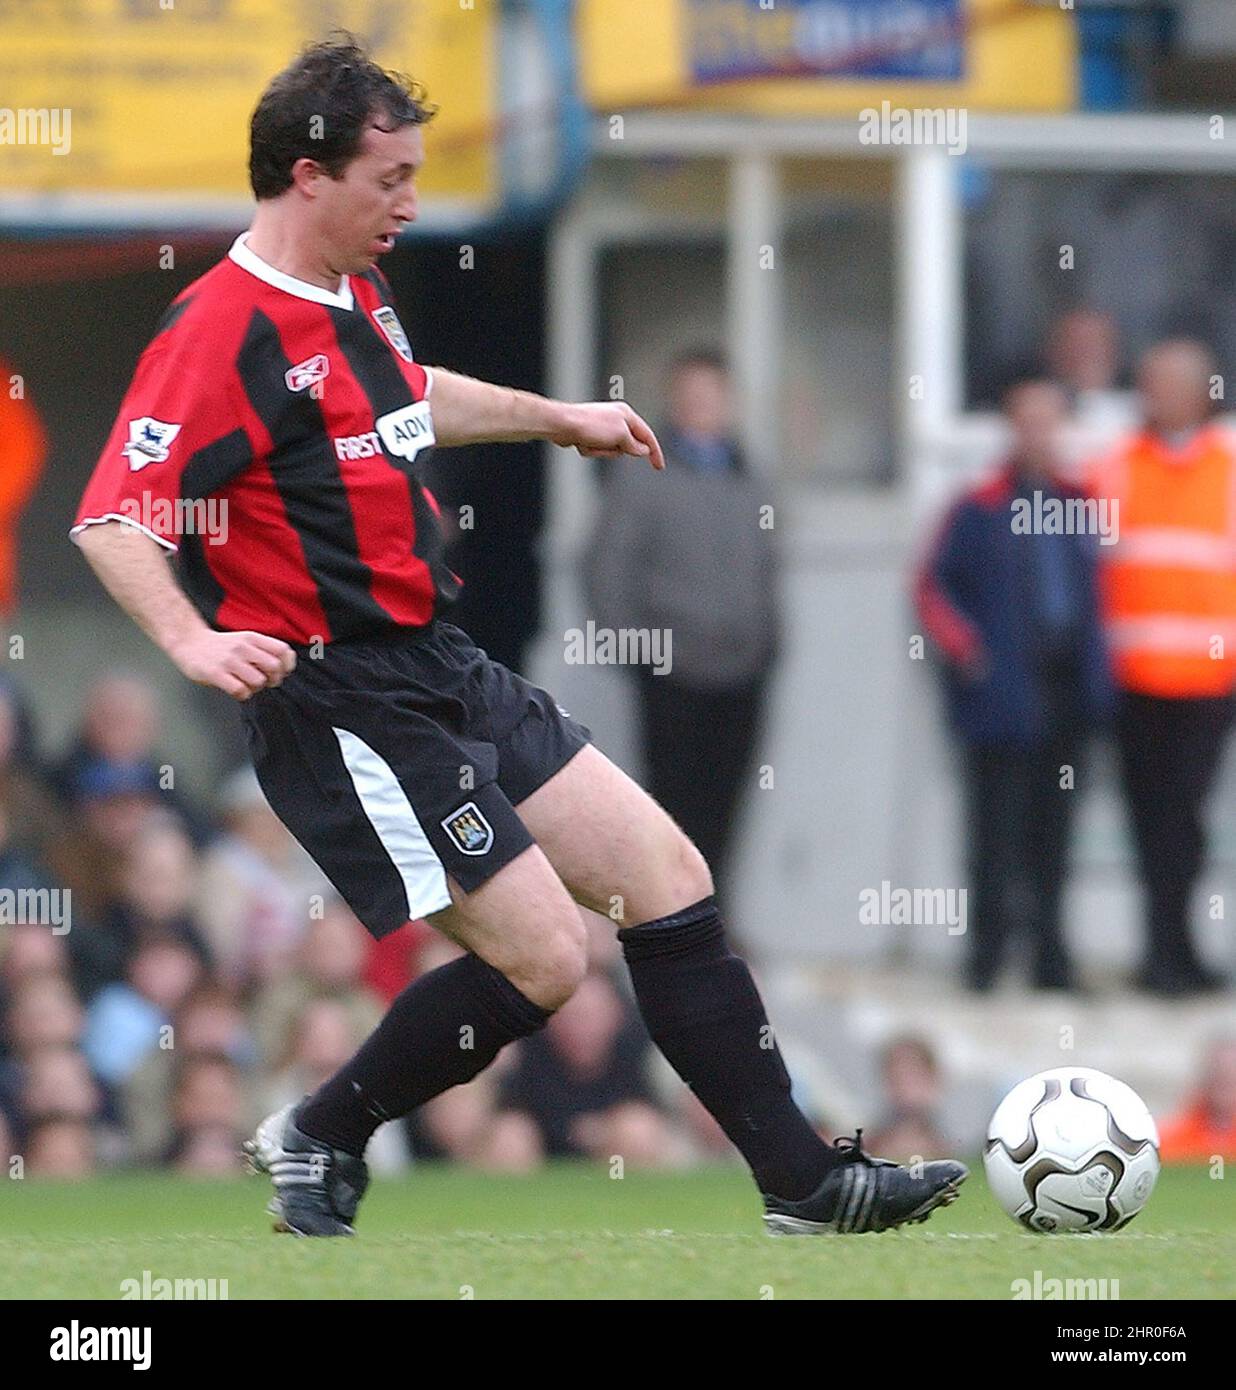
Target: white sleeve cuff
[(128, 521)]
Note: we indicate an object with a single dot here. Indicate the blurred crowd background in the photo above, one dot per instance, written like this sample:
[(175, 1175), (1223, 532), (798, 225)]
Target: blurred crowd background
[(192, 970), (878, 680)]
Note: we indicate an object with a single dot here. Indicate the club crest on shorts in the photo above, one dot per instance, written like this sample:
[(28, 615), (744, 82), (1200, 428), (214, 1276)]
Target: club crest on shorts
[(469, 829), (388, 321)]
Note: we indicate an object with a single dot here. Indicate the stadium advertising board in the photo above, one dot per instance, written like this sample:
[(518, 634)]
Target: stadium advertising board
[(112, 102), (903, 39), (803, 57)]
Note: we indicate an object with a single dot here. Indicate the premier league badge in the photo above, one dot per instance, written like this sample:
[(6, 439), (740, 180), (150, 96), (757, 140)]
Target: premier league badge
[(150, 441), (469, 829)]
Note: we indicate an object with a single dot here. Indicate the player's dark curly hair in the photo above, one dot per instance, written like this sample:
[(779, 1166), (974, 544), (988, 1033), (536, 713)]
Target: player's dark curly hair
[(319, 107)]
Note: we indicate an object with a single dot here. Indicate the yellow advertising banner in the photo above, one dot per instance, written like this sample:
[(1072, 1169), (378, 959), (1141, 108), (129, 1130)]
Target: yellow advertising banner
[(152, 98), (826, 57)]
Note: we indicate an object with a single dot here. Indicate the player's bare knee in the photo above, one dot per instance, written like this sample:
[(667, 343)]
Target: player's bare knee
[(551, 974), (673, 877), (565, 966), (551, 979), (685, 877)]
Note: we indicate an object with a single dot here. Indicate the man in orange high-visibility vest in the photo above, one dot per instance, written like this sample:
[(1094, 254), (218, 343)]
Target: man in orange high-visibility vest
[(23, 447), (1168, 588)]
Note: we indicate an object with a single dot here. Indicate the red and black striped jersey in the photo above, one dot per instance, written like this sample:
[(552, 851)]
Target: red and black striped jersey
[(272, 437)]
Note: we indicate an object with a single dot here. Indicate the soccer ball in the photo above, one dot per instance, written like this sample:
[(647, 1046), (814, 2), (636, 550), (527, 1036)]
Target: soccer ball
[(1072, 1149)]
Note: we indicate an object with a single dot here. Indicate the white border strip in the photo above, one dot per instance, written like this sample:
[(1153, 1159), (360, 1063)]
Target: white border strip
[(128, 521), (403, 837), (166, 211), (281, 280)]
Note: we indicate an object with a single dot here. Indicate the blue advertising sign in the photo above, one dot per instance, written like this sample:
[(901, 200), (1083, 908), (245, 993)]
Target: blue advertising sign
[(909, 40)]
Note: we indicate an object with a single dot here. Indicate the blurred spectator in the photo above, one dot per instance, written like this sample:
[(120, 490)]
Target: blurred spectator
[(152, 901), (18, 874), (209, 1116), (208, 1022), (391, 964), (61, 1147), (110, 807), (41, 1015), (23, 448), (1206, 1127), (686, 553), (208, 1151), (23, 752), (119, 726), (28, 949), (580, 1088), (125, 1021), (119, 733), (324, 1037), (252, 897), (57, 1081), (329, 966), (1013, 610), (1083, 358), (909, 1127), (1169, 599), (33, 818), (43, 1012)]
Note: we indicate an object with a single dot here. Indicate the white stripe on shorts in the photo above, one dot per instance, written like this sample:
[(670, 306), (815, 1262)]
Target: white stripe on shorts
[(390, 813)]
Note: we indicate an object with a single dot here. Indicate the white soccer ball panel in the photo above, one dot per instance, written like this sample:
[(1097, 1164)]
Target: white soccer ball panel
[(1072, 1149), (1005, 1180)]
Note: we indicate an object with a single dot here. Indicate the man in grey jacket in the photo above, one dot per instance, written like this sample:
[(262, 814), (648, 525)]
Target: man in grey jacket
[(692, 556)]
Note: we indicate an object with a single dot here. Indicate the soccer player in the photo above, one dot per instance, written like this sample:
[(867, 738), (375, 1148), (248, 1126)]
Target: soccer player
[(425, 779)]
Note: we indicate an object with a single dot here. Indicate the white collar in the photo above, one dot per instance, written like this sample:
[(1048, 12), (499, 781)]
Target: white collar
[(255, 265)]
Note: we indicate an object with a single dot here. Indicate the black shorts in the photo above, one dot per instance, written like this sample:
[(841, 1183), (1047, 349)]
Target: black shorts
[(400, 760)]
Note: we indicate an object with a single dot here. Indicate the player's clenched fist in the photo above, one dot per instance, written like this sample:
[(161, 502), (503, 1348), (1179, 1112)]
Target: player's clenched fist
[(607, 429), (238, 663)]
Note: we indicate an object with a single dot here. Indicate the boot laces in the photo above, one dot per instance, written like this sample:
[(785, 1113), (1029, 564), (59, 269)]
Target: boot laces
[(850, 1149)]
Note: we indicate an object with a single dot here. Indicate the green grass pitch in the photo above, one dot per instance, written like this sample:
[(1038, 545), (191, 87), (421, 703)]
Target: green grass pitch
[(573, 1232)]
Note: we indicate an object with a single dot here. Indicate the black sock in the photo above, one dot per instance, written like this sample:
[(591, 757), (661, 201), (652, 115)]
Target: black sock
[(704, 1012), (444, 1029)]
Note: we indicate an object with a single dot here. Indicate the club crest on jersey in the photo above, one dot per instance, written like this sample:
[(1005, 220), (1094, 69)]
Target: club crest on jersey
[(307, 373), (388, 321), (150, 441), (469, 829)]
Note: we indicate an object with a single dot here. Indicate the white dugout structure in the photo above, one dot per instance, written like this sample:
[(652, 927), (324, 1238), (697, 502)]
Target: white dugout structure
[(863, 789)]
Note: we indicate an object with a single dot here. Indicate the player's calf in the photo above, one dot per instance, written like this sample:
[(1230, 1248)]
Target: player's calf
[(702, 1009), (704, 1012), (444, 1029)]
